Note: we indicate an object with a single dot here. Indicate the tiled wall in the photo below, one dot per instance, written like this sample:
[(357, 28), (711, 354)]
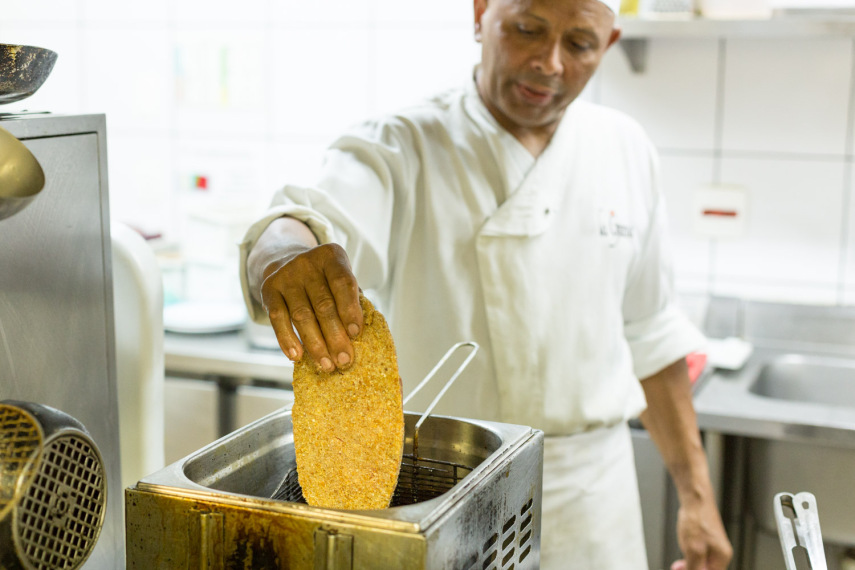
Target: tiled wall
[(774, 117), (247, 94)]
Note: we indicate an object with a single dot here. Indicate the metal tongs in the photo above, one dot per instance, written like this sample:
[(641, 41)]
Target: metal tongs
[(445, 388), (798, 528)]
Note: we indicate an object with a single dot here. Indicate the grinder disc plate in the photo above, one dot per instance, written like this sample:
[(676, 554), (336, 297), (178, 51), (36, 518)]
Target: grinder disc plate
[(20, 445)]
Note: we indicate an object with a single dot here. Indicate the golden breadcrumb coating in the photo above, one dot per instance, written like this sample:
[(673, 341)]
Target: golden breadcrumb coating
[(349, 424)]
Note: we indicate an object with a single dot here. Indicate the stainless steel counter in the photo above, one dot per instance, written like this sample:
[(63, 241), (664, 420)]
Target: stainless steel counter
[(226, 355), (229, 360), (795, 383)]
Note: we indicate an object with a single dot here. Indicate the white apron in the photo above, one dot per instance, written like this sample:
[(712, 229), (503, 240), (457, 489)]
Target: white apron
[(591, 510)]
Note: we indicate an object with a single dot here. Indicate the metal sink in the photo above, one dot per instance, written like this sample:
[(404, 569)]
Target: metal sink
[(796, 408), (808, 379)]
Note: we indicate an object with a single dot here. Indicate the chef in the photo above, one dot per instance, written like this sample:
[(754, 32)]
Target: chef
[(511, 213)]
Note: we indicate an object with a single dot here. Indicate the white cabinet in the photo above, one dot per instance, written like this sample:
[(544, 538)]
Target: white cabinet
[(193, 408)]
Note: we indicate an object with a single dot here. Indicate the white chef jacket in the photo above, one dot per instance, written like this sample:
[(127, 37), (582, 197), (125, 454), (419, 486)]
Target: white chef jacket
[(557, 266)]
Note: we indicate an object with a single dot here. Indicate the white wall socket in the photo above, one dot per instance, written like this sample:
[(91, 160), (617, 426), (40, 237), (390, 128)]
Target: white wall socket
[(721, 211)]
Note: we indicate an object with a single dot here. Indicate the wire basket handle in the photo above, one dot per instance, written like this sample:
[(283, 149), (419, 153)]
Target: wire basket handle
[(450, 381)]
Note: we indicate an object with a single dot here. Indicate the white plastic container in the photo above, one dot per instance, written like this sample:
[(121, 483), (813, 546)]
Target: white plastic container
[(736, 9), (666, 9)]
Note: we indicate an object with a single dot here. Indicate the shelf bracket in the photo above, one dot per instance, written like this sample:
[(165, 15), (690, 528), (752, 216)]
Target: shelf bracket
[(635, 50)]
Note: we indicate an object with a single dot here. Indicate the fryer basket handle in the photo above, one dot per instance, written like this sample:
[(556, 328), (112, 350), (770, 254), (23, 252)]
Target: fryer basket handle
[(432, 373)]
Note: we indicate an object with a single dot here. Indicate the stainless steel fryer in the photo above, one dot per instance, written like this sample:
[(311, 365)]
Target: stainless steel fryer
[(468, 497)]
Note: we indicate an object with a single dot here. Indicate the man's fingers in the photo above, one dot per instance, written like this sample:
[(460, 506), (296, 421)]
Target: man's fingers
[(277, 311), (696, 557), (345, 291), (316, 294), (326, 313), (718, 559), (303, 317)]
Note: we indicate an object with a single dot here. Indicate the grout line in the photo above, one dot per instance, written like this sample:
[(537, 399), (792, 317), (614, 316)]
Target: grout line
[(270, 108), (755, 154), (371, 97), (845, 215), (717, 150), (712, 262), (845, 230), (220, 24), (85, 65), (782, 155), (169, 227), (718, 133)]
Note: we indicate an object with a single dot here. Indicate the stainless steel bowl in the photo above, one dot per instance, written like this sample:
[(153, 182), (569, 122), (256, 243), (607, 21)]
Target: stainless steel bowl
[(23, 69)]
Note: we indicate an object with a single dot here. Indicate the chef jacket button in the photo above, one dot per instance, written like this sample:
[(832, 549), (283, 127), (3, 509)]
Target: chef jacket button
[(546, 212)]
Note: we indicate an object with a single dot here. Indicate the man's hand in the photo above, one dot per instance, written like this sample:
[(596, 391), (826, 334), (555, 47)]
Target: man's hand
[(702, 538), (671, 422), (307, 287)]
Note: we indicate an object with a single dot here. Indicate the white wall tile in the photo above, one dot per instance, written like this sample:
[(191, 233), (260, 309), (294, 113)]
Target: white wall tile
[(674, 98), (412, 64), (787, 95), (200, 12), (849, 253), (329, 13), (62, 91), (140, 180), (233, 168), (41, 12), (102, 11), (128, 75), (792, 242), (221, 81), (681, 178), (292, 162), (785, 292), (321, 80), (450, 12), (210, 219)]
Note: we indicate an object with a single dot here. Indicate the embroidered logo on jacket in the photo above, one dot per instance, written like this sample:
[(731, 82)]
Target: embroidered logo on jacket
[(611, 229)]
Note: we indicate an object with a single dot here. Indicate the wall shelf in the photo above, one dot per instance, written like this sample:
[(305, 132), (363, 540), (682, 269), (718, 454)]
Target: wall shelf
[(637, 31)]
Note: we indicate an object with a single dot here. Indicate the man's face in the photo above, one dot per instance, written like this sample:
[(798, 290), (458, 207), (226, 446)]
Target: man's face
[(537, 56)]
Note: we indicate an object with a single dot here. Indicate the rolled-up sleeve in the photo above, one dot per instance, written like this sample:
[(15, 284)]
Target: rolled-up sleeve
[(317, 223), (656, 329), (352, 205)]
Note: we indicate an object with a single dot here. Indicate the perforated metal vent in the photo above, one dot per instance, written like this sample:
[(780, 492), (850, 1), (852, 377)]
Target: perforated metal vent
[(508, 547), (60, 518), (20, 442)]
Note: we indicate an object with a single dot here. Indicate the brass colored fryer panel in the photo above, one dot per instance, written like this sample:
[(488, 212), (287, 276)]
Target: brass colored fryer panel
[(165, 532)]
